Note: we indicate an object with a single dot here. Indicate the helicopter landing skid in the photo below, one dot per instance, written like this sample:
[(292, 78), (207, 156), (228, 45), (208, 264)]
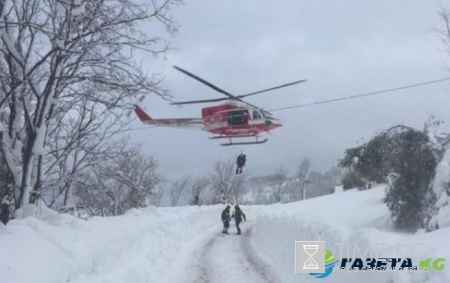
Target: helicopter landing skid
[(227, 137), (243, 143)]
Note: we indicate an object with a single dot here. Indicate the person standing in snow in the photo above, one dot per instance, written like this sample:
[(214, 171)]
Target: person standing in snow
[(240, 162), (226, 219), (238, 216)]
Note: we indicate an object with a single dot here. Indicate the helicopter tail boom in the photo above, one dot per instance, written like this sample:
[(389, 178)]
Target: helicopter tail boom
[(190, 123)]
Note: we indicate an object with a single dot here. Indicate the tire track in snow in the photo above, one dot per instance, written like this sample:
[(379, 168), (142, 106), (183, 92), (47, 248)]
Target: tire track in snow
[(257, 264), (231, 258), (204, 267)]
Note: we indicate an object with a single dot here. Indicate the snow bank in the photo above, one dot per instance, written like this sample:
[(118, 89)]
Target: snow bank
[(339, 189), (141, 246), (350, 217)]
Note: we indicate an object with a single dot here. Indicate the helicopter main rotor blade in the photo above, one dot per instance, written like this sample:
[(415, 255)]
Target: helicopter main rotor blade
[(205, 82), (229, 95), (272, 88), (199, 101)]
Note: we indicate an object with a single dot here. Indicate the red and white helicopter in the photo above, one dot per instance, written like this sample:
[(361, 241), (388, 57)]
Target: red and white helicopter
[(235, 118)]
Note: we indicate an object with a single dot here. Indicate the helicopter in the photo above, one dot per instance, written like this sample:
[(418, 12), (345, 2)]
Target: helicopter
[(233, 119)]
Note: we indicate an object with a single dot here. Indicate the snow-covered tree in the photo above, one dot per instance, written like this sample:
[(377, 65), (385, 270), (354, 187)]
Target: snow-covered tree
[(437, 214), (404, 158), (195, 195), (57, 54), (121, 182), (76, 143), (278, 184), (257, 192), (177, 188), (6, 183), (300, 181), (438, 205), (226, 185), (322, 183), (367, 161)]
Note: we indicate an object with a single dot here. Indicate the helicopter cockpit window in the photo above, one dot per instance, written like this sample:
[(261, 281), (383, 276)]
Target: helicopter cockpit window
[(238, 117), (256, 115)]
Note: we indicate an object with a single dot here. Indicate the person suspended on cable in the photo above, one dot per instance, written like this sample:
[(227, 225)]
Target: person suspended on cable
[(240, 162)]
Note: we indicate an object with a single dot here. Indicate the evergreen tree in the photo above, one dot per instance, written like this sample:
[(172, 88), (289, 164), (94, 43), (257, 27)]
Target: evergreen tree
[(403, 158)]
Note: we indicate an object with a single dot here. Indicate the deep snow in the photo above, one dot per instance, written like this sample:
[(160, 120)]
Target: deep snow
[(184, 244)]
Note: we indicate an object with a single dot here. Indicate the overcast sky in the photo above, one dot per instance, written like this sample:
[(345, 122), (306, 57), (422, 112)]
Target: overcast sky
[(341, 47)]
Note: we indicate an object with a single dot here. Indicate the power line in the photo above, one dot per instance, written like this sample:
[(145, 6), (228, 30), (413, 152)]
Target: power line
[(129, 130), (141, 128), (137, 129), (360, 95)]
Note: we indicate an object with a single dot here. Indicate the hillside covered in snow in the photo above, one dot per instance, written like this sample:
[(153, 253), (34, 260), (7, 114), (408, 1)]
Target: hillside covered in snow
[(184, 244)]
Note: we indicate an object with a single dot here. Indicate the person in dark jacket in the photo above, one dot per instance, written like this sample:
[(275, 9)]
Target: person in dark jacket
[(226, 219), (240, 162), (238, 216)]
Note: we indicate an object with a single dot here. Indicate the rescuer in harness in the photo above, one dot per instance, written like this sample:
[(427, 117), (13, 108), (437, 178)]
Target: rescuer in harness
[(240, 162), (238, 216)]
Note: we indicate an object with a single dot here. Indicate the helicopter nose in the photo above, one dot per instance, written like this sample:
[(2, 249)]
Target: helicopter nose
[(270, 125), (274, 126)]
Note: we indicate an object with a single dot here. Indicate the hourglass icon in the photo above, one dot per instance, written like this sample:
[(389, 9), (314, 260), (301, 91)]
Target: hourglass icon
[(310, 263)]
